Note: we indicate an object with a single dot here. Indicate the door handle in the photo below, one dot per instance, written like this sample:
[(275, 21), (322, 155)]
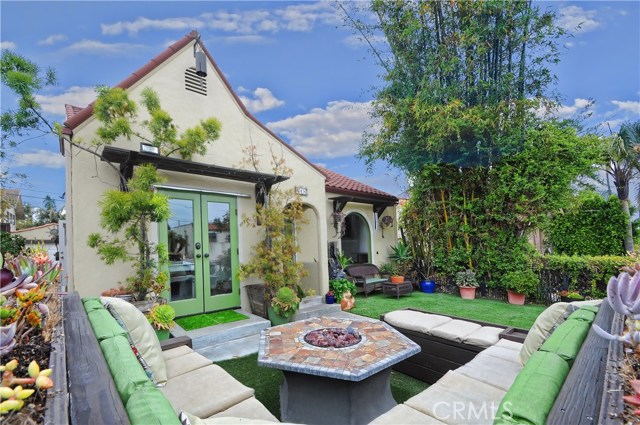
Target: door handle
[(198, 246), (198, 255), (206, 255)]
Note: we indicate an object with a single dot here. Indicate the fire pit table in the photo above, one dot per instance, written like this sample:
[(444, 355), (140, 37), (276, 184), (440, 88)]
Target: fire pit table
[(326, 385)]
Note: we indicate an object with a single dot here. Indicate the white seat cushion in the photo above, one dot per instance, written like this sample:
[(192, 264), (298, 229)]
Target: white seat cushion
[(495, 371), (250, 408), (501, 353), (508, 344), (176, 352), (186, 363), (204, 392), (415, 320), (405, 415), (459, 399), (486, 336), (455, 330)]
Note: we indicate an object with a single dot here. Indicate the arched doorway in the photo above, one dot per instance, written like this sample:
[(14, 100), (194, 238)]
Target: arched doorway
[(356, 242), (309, 255)]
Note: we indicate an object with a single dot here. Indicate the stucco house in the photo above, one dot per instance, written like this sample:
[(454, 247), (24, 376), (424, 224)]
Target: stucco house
[(12, 209), (210, 194)]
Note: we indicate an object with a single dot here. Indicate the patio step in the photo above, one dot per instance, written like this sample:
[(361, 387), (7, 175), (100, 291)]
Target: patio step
[(221, 334), (316, 309)]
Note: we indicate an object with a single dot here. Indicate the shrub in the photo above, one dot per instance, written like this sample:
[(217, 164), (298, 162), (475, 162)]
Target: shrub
[(521, 282), (11, 244), (340, 286)]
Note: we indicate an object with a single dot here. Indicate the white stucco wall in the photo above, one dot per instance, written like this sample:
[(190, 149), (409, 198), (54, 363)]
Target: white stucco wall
[(88, 177)]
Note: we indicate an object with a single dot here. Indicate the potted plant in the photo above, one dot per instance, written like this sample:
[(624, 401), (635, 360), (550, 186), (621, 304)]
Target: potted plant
[(283, 306), (343, 260), (343, 287), (161, 318), (330, 297), (401, 255), (568, 296), (519, 284), (467, 282), (273, 259)]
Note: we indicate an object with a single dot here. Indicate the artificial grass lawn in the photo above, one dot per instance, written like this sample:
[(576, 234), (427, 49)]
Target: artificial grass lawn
[(487, 310), (266, 382), (209, 319)]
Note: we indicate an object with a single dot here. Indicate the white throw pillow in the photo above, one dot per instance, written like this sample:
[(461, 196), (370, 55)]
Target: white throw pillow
[(544, 325), (141, 335)]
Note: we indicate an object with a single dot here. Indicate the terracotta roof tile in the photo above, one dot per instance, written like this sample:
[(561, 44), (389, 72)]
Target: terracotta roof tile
[(338, 183)]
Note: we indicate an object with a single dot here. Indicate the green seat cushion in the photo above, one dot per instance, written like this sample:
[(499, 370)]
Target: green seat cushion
[(104, 325), (141, 335), (376, 280), (586, 314), (567, 339), (126, 371), (91, 304), (531, 396), (148, 406)]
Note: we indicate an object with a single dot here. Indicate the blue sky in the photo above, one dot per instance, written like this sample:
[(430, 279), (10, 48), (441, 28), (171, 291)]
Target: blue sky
[(299, 70)]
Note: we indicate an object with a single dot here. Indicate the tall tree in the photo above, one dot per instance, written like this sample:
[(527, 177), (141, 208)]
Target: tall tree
[(622, 156), (459, 113)]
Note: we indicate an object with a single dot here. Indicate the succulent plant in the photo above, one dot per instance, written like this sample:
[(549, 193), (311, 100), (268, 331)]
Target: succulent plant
[(623, 294), (13, 398), (161, 316), (285, 303)]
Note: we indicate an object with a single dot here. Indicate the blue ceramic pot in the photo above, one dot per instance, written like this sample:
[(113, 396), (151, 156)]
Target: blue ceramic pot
[(428, 286), (330, 299)]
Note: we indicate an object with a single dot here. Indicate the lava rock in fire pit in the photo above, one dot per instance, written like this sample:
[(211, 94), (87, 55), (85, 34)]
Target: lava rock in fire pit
[(333, 337)]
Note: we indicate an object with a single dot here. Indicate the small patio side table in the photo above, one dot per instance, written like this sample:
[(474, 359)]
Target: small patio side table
[(397, 289)]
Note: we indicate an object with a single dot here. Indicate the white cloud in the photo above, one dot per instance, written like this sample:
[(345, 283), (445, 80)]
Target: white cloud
[(98, 47), (627, 106), (569, 111), (133, 27), (39, 158), (329, 132), (575, 19), (247, 22), (7, 45), (77, 96), (302, 17), (261, 99), (52, 39)]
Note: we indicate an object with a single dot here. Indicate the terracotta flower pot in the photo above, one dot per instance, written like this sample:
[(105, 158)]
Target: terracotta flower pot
[(515, 298), (396, 279), (467, 293)]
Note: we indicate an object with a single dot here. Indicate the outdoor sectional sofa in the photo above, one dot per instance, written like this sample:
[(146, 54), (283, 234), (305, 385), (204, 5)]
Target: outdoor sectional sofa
[(109, 384), (561, 381)]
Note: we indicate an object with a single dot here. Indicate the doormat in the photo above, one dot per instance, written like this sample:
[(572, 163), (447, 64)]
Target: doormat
[(209, 319)]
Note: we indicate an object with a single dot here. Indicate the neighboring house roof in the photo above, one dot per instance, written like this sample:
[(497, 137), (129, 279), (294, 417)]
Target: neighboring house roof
[(13, 198), (335, 182)]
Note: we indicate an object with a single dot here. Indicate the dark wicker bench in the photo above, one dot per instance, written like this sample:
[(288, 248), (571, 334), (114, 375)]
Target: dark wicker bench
[(439, 355), (366, 277)]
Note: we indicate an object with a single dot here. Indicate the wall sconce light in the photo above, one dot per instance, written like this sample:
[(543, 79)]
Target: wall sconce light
[(201, 58), (147, 148)]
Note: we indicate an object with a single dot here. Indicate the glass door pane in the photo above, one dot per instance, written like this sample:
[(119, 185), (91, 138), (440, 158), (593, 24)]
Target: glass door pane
[(182, 234), (221, 251)]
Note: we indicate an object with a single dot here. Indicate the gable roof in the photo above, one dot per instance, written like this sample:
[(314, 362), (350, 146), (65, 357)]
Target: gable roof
[(335, 183)]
